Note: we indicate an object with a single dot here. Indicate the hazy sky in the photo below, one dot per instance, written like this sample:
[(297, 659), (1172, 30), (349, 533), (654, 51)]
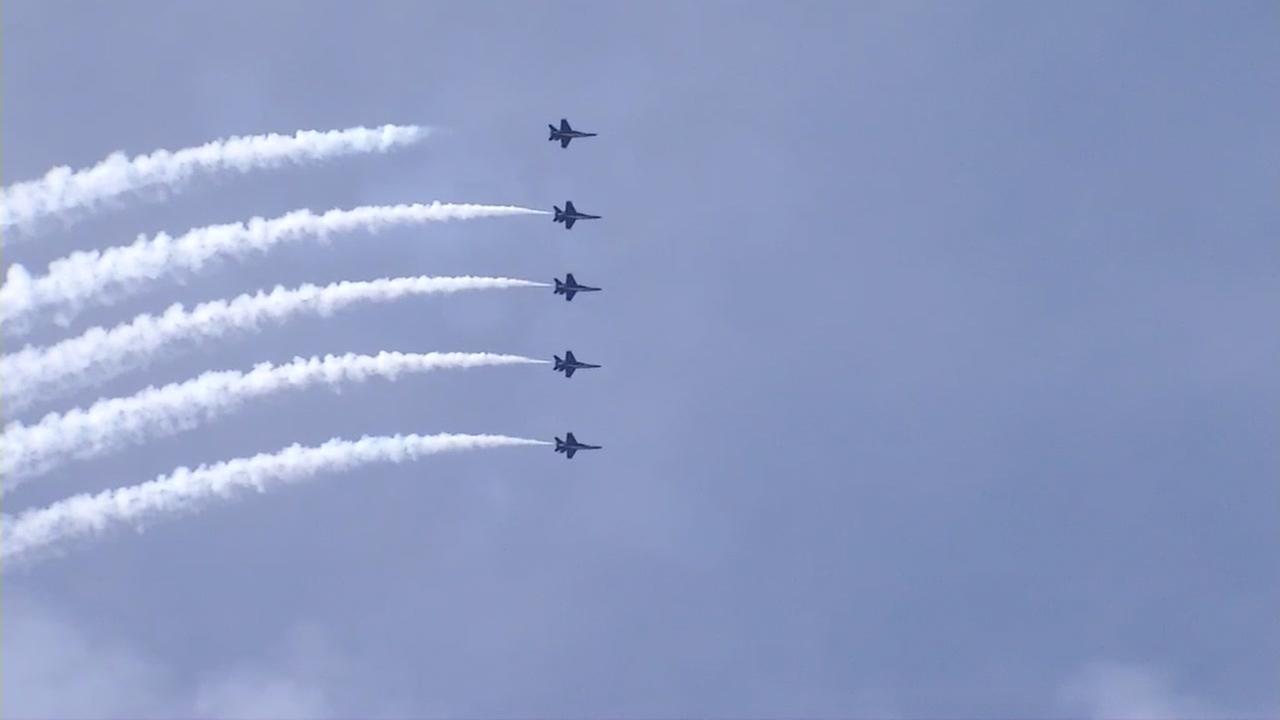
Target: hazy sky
[(941, 374)]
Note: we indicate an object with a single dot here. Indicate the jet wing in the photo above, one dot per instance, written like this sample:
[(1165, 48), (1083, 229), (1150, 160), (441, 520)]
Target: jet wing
[(568, 222), (568, 371), (564, 141), (564, 125), (570, 452)]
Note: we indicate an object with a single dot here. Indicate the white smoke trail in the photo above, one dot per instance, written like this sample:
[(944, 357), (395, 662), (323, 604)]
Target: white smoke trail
[(156, 412), (63, 189), (104, 275), (186, 489), (101, 353)]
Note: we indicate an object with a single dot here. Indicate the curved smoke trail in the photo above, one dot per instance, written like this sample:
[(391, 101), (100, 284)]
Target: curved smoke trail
[(63, 189), (101, 353), (112, 423), (188, 490), (104, 275)]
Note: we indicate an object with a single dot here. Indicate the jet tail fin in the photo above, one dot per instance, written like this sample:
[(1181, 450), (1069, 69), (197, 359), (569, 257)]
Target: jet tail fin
[(559, 216), (553, 131), (559, 287)]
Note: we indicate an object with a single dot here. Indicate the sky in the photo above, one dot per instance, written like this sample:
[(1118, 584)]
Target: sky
[(941, 375)]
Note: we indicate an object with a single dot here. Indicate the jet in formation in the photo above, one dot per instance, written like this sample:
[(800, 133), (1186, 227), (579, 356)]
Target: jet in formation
[(570, 215), (570, 445), (566, 133), (569, 364), (570, 287)]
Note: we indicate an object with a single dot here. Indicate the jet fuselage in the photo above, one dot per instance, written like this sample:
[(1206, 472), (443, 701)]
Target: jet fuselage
[(570, 445), (565, 133), (570, 287), (570, 215), (570, 364)]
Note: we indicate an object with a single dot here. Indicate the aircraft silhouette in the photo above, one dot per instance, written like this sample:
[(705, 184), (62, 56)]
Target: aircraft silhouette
[(570, 215), (570, 287), (570, 363), (566, 133), (570, 445)]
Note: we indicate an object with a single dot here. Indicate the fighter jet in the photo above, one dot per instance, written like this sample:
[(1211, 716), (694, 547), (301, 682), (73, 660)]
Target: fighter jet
[(570, 363), (569, 215), (570, 445), (570, 287), (566, 133)]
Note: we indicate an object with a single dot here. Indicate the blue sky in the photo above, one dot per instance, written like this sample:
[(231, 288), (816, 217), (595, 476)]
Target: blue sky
[(941, 374)]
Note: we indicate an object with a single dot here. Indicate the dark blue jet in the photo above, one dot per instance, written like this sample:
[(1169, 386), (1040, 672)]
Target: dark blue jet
[(570, 445), (570, 287), (570, 215), (570, 363), (566, 133)]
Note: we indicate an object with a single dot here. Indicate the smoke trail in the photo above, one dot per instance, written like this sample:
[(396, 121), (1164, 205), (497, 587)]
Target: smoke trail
[(186, 489), (103, 275), (63, 189), (156, 412), (101, 353)]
